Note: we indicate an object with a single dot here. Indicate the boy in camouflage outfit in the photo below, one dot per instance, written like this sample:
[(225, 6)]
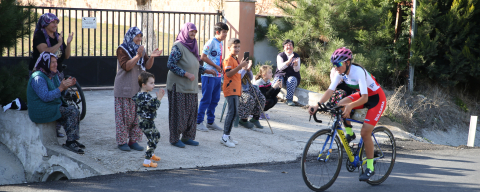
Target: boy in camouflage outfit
[(147, 111)]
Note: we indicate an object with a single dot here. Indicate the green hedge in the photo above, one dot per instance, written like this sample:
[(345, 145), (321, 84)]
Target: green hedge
[(13, 83)]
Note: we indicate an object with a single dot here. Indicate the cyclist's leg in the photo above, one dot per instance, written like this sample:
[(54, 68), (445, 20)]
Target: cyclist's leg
[(348, 126)]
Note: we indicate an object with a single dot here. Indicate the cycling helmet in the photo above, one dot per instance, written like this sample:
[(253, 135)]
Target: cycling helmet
[(341, 55)]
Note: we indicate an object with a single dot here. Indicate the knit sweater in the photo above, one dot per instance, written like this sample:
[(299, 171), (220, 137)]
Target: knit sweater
[(40, 109), (188, 62), (126, 82)]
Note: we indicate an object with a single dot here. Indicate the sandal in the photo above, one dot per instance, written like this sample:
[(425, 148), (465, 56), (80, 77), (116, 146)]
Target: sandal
[(155, 158), (74, 148), (152, 164), (82, 146)]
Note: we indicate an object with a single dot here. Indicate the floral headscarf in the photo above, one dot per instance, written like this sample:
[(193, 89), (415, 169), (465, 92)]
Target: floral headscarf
[(43, 63), (183, 37), (132, 48), (43, 22)]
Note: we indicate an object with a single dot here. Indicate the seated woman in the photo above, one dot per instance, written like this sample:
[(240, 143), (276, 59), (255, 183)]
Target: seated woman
[(248, 103), (45, 102), (288, 70)]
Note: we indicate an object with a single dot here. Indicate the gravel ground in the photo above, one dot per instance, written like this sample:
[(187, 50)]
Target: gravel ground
[(290, 126)]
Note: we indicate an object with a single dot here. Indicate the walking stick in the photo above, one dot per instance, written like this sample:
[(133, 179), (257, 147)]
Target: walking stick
[(258, 101)]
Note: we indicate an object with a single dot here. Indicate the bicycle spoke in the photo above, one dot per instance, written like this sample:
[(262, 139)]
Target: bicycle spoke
[(320, 162)]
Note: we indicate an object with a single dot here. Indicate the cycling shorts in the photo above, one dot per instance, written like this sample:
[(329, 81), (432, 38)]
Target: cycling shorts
[(376, 104)]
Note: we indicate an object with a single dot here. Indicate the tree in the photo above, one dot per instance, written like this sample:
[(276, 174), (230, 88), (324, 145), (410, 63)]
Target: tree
[(446, 47), (318, 27), (15, 22), (149, 39)]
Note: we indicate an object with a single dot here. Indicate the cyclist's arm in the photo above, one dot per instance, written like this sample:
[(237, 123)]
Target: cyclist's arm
[(333, 85)]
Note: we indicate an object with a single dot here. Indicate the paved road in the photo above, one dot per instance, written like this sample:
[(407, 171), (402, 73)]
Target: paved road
[(419, 167)]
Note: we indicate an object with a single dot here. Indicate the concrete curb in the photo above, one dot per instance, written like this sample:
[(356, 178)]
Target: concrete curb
[(302, 96)]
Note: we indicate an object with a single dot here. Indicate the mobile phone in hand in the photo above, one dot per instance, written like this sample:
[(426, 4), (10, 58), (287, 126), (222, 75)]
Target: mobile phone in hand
[(246, 55)]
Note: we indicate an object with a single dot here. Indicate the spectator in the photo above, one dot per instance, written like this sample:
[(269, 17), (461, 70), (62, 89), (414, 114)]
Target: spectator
[(288, 70), (262, 81), (46, 38), (45, 103), (182, 85), (131, 61)]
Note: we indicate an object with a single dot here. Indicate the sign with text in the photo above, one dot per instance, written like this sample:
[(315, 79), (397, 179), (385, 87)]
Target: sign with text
[(89, 22)]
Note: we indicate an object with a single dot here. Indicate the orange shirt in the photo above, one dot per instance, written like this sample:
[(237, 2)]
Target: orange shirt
[(231, 85)]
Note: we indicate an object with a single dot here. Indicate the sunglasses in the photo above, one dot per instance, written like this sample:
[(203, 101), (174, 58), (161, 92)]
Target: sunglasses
[(339, 64)]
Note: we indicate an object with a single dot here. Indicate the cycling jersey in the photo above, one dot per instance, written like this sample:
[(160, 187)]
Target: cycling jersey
[(358, 79)]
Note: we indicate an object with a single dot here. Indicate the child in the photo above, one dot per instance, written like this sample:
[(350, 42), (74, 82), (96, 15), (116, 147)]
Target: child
[(232, 88), (262, 80), (146, 112), (211, 85)]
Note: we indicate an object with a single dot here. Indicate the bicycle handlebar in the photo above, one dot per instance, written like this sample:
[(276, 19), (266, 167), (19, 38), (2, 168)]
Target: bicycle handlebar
[(326, 108)]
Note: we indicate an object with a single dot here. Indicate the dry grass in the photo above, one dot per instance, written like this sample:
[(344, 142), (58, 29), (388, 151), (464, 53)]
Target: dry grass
[(433, 107)]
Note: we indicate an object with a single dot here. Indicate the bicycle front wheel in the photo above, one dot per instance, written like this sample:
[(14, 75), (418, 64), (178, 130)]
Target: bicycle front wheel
[(384, 155), (320, 170)]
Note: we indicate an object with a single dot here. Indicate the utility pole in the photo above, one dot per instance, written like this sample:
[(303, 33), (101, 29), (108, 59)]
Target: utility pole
[(413, 29)]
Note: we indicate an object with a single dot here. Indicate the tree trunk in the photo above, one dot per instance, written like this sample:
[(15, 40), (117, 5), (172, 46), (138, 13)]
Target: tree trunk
[(149, 38)]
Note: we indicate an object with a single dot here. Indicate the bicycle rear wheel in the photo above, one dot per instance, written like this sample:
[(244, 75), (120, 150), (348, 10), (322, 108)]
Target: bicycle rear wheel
[(319, 173), (384, 155)]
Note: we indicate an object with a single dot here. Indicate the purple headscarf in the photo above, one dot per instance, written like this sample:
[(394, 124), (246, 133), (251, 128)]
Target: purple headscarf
[(43, 64), (43, 22), (183, 37)]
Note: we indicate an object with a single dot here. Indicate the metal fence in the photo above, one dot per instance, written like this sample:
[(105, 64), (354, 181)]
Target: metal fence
[(159, 28)]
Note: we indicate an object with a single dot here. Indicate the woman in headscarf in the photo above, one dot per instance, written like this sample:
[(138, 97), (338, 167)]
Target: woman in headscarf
[(131, 61), (46, 38), (45, 103), (182, 85)]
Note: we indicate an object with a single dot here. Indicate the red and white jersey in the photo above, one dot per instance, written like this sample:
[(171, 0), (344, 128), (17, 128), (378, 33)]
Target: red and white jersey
[(358, 79)]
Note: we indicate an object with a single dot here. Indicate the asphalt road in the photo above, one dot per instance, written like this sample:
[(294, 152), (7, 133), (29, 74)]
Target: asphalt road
[(418, 167)]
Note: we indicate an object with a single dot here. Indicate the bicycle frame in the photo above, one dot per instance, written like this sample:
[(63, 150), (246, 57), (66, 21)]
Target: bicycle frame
[(353, 159)]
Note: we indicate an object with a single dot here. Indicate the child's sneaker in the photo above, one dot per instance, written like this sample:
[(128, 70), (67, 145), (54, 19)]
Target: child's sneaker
[(227, 143), (152, 164), (233, 141), (201, 127), (155, 158)]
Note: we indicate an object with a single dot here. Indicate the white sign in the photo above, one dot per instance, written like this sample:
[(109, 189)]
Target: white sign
[(89, 22)]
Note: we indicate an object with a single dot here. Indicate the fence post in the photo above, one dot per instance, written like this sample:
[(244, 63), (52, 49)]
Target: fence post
[(240, 17), (473, 129)]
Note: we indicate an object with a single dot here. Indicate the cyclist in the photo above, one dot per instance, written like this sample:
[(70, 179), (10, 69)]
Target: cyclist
[(370, 96)]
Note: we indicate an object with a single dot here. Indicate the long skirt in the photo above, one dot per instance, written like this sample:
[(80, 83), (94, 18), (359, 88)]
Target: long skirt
[(126, 121), (249, 105), (182, 115)]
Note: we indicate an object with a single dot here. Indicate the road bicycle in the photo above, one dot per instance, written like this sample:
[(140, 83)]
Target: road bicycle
[(74, 96), (323, 155)]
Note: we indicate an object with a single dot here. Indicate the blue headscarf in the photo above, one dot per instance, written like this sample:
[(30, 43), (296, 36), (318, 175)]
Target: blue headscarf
[(43, 22), (132, 48), (43, 64)]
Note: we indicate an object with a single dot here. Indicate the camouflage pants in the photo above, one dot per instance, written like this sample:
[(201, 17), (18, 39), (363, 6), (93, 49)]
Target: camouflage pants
[(152, 134)]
